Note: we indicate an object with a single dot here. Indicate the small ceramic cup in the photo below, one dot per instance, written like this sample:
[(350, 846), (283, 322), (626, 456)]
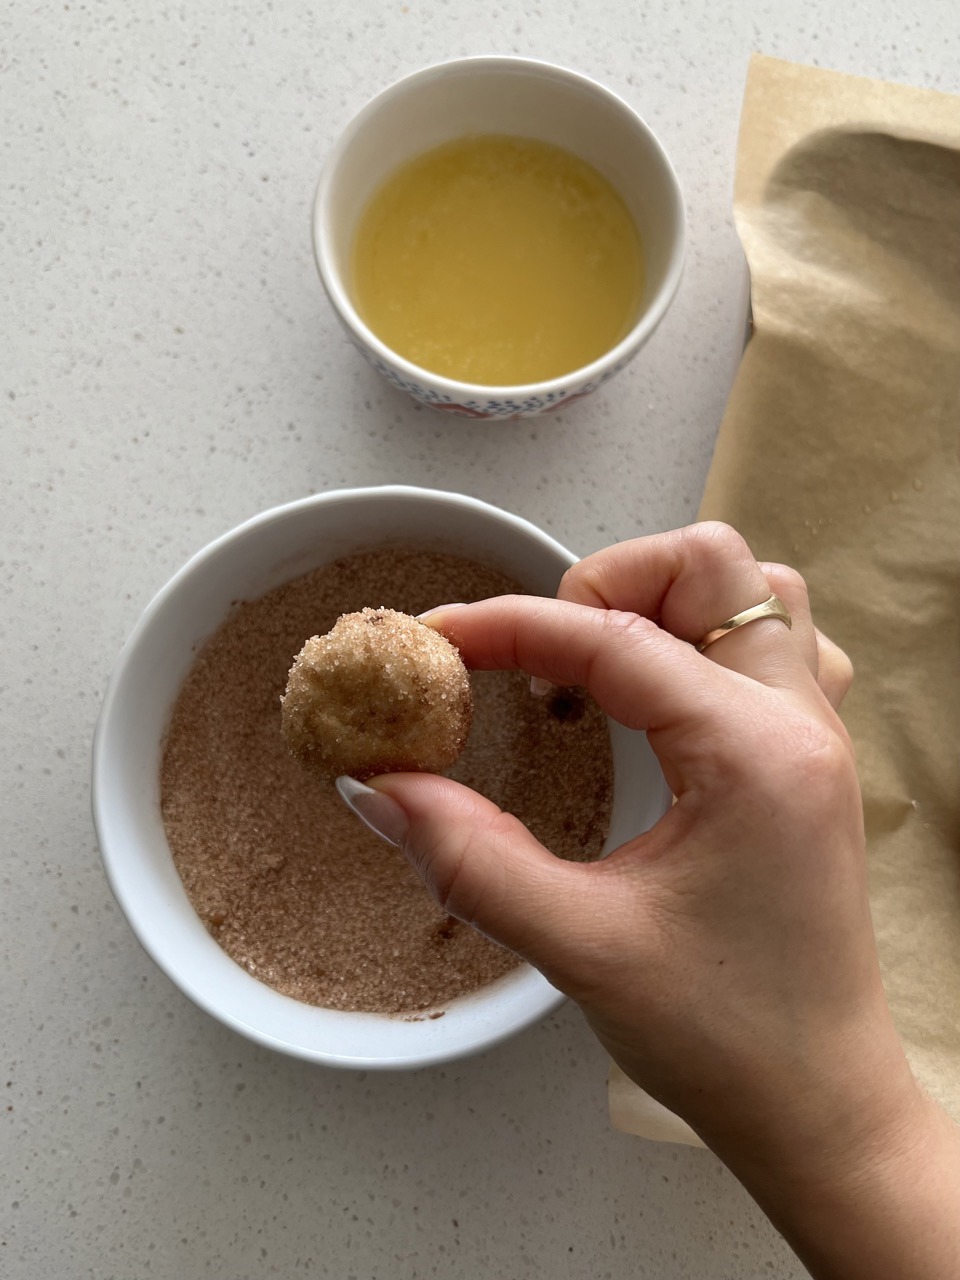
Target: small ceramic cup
[(502, 95), (268, 550)]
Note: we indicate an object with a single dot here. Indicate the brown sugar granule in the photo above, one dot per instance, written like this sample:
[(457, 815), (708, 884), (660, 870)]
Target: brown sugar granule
[(378, 693), (285, 878)]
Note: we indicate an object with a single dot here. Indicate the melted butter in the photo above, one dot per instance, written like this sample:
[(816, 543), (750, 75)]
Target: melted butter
[(497, 260)]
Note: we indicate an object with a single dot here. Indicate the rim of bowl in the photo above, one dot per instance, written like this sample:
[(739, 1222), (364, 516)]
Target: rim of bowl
[(635, 337), (546, 1001)]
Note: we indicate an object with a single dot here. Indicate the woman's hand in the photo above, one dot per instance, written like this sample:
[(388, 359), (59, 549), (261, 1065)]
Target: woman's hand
[(725, 958)]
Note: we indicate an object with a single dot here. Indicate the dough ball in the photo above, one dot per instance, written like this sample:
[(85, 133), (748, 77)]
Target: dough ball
[(379, 693)]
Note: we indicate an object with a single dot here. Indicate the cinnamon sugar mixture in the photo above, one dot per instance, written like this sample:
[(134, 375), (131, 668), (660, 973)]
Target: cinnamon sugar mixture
[(284, 877)]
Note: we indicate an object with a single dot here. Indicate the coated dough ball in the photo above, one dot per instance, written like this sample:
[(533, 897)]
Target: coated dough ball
[(379, 693)]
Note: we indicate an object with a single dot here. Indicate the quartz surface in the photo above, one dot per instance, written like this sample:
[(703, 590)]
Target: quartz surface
[(170, 367)]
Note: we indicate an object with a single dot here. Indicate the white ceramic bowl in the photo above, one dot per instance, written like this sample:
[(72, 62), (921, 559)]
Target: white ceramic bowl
[(504, 95), (244, 564)]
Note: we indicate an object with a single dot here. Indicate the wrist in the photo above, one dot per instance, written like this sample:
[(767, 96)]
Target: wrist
[(873, 1193)]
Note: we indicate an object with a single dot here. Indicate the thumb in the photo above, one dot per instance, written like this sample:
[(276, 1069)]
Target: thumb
[(481, 864)]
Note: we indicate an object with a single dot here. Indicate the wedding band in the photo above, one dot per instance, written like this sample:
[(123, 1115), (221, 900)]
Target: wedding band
[(772, 608)]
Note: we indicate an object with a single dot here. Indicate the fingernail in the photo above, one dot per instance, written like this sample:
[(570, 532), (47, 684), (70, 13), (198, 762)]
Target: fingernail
[(439, 608), (379, 812), (539, 687)]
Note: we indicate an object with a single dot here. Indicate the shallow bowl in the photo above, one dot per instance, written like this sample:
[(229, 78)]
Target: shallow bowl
[(245, 563)]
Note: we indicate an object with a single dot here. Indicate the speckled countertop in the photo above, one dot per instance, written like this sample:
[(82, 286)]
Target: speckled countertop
[(170, 367)]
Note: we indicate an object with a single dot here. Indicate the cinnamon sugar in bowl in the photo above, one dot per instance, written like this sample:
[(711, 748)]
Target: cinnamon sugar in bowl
[(201, 937)]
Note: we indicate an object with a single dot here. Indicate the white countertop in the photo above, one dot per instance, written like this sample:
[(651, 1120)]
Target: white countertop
[(170, 367)]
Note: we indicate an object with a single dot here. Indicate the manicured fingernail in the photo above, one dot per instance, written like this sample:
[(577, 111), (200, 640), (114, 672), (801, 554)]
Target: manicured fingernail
[(379, 812), (422, 617), (539, 687)]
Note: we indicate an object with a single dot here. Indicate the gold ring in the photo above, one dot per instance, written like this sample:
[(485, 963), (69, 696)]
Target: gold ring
[(772, 608)]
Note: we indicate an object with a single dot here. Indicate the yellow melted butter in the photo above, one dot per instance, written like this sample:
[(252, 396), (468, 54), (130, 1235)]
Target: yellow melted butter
[(497, 260)]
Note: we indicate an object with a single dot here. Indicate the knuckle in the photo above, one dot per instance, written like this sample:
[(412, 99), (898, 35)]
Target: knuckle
[(840, 657), (620, 634), (570, 583), (619, 626), (784, 579), (583, 582), (814, 765), (848, 673), (836, 670), (713, 542), (568, 580), (842, 670)]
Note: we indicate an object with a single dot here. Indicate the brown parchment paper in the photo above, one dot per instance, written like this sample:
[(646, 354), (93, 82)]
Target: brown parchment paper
[(839, 453)]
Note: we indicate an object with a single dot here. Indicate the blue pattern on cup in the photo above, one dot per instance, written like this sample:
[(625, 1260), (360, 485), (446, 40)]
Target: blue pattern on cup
[(488, 408)]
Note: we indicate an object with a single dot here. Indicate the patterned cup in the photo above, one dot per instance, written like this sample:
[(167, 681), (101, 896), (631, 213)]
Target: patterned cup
[(502, 95)]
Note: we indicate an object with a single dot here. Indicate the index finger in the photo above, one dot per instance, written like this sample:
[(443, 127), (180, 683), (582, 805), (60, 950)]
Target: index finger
[(639, 674)]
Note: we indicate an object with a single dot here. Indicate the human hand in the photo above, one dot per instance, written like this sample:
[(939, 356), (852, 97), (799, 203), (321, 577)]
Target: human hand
[(725, 958)]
